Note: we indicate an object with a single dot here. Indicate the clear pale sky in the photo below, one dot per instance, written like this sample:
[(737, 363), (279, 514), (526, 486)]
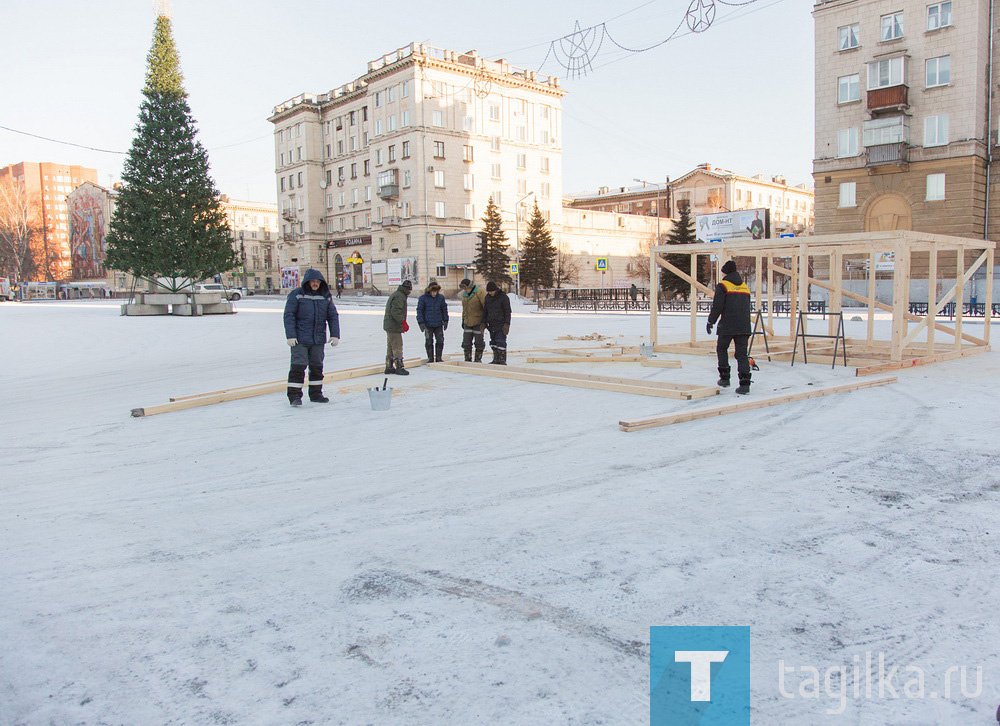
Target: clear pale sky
[(739, 95)]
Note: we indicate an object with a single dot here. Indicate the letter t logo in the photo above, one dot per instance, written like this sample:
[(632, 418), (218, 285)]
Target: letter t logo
[(701, 670)]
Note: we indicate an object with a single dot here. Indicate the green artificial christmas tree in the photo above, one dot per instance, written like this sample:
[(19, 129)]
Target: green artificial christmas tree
[(492, 261), (682, 234), (538, 254), (168, 225)]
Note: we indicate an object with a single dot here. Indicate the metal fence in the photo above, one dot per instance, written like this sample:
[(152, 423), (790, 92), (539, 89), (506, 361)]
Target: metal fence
[(567, 303), (974, 310)]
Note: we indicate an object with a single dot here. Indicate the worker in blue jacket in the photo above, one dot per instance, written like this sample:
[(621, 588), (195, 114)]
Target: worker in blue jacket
[(309, 312), (432, 317)]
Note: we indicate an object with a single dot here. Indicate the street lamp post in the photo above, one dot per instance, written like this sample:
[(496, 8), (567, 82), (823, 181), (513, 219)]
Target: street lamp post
[(243, 260), (517, 239)]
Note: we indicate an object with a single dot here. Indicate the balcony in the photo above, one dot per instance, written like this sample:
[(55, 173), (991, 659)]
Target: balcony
[(388, 191), (390, 223), (897, 154), (889, 98)]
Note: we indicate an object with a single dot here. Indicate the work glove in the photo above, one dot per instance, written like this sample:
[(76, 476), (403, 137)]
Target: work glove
[(334, 342), (292, 342), (423, 328), (506, 329), (709, 328), (481, 327), (445, 325), (406, 326)]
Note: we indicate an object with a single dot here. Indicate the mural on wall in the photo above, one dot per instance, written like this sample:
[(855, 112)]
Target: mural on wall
[(87, 229)]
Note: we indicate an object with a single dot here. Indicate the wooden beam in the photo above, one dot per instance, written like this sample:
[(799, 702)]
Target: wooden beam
[(672, 385), (693, 299), (921, 361), (588, 359), (870, 302), (235, 394), (933, 310), (640, 387), (650, 363), (684, 276), (654, 291), (960, 297), (748, 405), (989, 296), (931, 296)]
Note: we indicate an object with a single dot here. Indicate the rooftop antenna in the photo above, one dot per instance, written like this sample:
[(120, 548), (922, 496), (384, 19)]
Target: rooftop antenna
[(163, 8)]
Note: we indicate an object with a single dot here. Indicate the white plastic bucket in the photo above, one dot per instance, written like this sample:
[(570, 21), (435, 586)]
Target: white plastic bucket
[(646, 350), (380, 398)]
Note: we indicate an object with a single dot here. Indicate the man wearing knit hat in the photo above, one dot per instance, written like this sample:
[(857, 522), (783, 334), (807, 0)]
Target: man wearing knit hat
[(496, 314), (394, 324), (731, 307), (473, 324)]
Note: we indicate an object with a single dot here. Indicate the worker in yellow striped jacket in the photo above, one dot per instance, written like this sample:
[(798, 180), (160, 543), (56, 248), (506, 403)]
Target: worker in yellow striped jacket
[(731, 308)]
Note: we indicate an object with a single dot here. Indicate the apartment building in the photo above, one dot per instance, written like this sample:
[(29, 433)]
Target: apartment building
[(905, 116), (374, 173), (254, 228), (48, 185)]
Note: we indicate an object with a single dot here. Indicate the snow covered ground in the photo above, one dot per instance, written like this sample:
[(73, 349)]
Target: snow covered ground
[(487, 552)]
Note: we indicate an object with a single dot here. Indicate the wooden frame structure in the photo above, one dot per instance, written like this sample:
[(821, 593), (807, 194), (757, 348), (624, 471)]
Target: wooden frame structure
[(797, 258)]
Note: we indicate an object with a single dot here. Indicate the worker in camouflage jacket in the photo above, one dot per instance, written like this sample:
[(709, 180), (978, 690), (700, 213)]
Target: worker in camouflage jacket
[(473, 300), (309, 312), (496, 314), (394, 324), (731, 307)]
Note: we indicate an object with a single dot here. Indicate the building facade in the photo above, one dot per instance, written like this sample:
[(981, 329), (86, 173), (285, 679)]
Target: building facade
[(905, 116), (254, 227), (373, 174), (47, 186)]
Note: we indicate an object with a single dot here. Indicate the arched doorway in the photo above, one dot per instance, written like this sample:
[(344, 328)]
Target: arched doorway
[(338, 268), (888, 212)]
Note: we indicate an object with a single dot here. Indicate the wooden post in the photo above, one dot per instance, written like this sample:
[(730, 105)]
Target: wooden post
[(757, 281), (654, 291), (803, 285), (793, 294), (836, 298), (989, 295), (931, 296), (770, 294), (693, 298), (872, 261), (959, 294), (900, 295)]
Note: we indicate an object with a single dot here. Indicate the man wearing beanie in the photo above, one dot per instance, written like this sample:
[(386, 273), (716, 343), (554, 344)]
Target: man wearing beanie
[(731, 307), (496, 313), (394, 325), (473, 300)]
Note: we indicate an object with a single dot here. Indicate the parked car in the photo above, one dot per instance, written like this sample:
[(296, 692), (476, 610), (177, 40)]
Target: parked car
[(227, 293), (6, 291)]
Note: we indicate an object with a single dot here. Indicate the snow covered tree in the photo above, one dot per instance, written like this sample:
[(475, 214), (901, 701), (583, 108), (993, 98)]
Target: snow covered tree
[(682, 234), (168, 225), (492, 261), (20, 229), (538, 254)]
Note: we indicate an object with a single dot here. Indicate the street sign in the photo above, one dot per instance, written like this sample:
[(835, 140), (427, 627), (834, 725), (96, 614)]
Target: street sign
[(513, 268), (602, 263), (241, 270), (786, 235)]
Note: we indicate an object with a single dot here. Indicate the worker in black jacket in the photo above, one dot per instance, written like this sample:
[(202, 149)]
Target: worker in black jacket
[(731, 307), (496, 316)]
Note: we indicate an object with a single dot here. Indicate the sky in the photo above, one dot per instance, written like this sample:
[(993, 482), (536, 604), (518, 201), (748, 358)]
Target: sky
[(738, 96)]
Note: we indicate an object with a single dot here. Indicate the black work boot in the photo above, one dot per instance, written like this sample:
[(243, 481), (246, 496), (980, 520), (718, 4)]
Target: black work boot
[(468, 354), (502, 357), (316, 385), (744, 387), (429, 349), (400, 371), (724, 376), (389, 365), (296, 378), (438, 352), (479, 355), (496, 356)]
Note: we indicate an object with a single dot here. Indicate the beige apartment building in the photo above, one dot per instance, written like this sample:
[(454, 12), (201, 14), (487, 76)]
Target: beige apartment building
[(48, 185), (374, 173), (254, 227), (905, 117)]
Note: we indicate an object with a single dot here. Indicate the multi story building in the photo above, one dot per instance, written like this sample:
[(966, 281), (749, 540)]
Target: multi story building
[(649, 200), (905, 116), (373, 174), (254, 228), (47, 186)]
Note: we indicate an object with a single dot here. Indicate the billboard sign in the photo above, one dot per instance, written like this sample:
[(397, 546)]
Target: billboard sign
[(460, 248), (740, 225), (402, 268)]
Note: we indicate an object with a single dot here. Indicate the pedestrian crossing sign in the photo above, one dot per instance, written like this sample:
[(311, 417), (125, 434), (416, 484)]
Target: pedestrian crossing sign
[(602, 263), (513, 268)]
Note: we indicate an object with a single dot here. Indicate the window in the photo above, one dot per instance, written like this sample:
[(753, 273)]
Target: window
[(406, 149), (468, 153), (405, 118), (522, 161), (368, 194), (439, 179), (887, 130), (936, 130), (935, 186), (353, 144), (468, 182), (495, 171), (938, 71), (494, 109), (892, 26), (282, 184), (378, 99), (392, 153), (298, 129), (848, 194), (495, 143), (847, 142), (406, 178), (437, 118), (441, 271), (328, 154), (408, 241), (300, 179), (390, 94), (364, 139), (378, 157), (438, 149), (522, 186), (439, 210), (392, 122), (545, 164), (340, 199), (298, 152), (364, 113), (354, 196), (354, 171), (543, 136), (353, 116), (367, 166), (381, 244), (407, 212), (546, 190), (340, 173), (849, 88), (497, 195), (468, 123), (340, 147), (543, 111), (405, 93), (939, 16), (439, 242), (282, 159), (378, 127), (848, 37), (470, 211), (281, 137), (885, 73)]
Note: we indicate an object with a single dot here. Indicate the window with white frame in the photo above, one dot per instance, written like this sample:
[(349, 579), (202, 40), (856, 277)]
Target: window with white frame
[(522, 161), (886, 72), (468, 182), (849, 36), (545, 164), (849, 88), (406, 178), (378, 99), (390, 94), (405, 91), (340, 199), (495, 171), (406, 149), (392, 153), (355, 195), (405, 118), (543, 136), (935, 187), (494, 109), (468, 123), (378, 157), (329, 201), (438, 149), (441, 271), (546, 190), (368, 194), (848, 194), (497, 195), (437, 118), (392, 122), (378, 126), (936, 130), (470, 211), (407, 213), (522, 186), (439, 210), (938, 71), (282, 159), (847, 142), (886, 130), (495, 143), (439, 179), (468, 153), (939, 15), (892, 26)]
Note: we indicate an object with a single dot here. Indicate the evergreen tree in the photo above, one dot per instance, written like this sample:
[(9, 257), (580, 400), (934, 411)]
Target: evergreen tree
[(538, 254), (492, 261), (682, 234), (168, 225)]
